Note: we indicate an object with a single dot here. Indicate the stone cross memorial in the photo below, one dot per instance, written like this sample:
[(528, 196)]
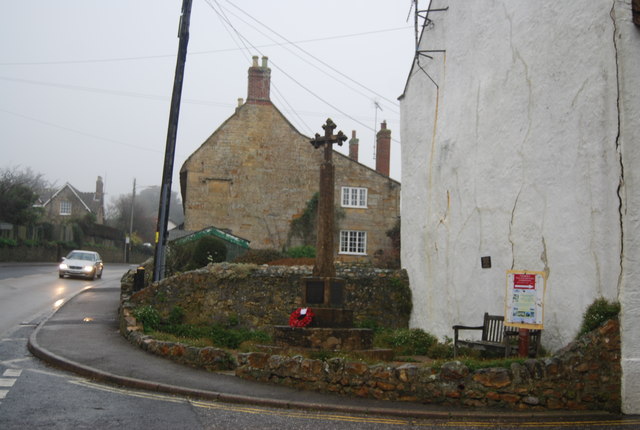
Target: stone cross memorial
[(324, 246), (332, 326), (324, 288)]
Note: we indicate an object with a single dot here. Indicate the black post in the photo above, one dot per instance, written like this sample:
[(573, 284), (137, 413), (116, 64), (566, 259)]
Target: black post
[(169, 155)]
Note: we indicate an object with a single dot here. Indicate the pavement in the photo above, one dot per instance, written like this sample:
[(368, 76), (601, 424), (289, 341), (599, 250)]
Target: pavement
[(82, 336)]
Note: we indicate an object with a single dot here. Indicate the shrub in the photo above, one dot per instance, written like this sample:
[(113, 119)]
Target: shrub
[(306, 251), (178, 257), (259, 256), (440, 350), (207, 250), (148, 316), (597, 313), (176, 316), (413, 341), (7, 243), (370, 324), (196, 254), (218, 335), (233, 321), (30, 243)]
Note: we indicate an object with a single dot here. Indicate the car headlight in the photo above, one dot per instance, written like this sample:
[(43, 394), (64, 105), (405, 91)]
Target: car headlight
[(87, 269), (63, 266)]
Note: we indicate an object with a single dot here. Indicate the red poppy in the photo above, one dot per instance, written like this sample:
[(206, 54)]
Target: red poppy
[(301, 317)]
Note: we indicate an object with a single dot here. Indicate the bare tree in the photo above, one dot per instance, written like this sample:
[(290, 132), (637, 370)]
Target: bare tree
[(145, 212), (19, 190)]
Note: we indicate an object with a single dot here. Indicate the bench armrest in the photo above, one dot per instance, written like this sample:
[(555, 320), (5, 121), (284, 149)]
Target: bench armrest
[(455, 335), (466, 327)]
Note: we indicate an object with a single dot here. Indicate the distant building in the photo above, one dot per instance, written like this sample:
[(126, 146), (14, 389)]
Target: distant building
[(256, 173), (66, 207)]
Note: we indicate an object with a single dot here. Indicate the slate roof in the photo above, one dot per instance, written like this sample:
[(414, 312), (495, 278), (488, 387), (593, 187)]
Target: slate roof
[(88, 199)]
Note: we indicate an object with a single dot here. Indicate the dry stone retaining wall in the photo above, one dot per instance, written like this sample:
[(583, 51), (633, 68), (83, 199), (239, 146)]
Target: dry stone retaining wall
[(584, 375), (263, 296)]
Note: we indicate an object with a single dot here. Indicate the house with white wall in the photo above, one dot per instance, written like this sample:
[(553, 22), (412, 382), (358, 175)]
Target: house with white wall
[(521, 144)]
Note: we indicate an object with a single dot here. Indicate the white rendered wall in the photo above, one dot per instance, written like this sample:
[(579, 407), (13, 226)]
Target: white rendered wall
[(628, 48), (514, 155), (513, 148)]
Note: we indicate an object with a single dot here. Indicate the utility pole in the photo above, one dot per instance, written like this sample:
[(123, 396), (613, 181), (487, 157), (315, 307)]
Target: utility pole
[(133, 201), (375, 127), (169, 155)]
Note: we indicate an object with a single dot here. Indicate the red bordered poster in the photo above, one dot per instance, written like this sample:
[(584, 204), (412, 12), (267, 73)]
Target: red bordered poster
[(524, 301)]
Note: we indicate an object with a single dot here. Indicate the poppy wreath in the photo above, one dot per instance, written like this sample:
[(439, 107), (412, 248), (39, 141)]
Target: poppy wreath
[(301, 317)]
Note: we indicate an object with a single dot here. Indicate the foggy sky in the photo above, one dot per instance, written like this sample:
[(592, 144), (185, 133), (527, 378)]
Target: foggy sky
[(85, 86)]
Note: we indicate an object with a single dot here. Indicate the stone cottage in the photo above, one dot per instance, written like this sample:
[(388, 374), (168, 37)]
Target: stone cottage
[(66, 205), (519, 125), (256, 174)]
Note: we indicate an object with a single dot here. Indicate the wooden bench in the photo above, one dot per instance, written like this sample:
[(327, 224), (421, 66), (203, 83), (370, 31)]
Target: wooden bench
[(496, 339)]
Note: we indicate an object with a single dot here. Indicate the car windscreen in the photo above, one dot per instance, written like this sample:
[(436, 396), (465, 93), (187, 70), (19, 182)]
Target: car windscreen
[(80, 256)]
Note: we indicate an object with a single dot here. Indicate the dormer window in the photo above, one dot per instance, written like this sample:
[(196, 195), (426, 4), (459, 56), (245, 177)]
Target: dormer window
[(65, 207)]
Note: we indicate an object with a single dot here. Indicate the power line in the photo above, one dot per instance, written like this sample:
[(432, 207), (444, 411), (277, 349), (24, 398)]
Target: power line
[(172, 56), (143, 95), (226, 21), (82, 133), (110, 92), (274, 64), (288, 42)]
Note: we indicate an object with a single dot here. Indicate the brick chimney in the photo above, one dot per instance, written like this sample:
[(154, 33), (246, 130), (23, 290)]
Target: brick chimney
[(259, 82), (353, 146), (383, 149), (99, 189)]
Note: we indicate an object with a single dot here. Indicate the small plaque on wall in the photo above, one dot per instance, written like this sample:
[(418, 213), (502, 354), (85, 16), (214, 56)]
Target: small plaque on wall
[(337, 287), (314, 291)]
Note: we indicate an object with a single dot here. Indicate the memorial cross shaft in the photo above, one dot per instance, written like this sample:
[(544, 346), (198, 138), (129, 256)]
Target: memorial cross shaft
[(324, 266)]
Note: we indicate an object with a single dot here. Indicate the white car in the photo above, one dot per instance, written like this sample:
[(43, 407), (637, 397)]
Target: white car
[(87, 264)]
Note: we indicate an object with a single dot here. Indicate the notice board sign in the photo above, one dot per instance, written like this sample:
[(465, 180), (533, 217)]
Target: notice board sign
[(524, 301)]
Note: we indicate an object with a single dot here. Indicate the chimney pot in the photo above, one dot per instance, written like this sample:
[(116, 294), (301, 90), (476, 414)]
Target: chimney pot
[(353, 146), (240, 101), (259, 82), (99, 188)]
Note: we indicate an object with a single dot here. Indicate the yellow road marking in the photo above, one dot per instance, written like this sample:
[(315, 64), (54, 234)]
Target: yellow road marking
[(289, 413)]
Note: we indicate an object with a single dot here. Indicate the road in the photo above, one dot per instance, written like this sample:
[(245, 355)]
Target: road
[(34, 395), (30, 292)]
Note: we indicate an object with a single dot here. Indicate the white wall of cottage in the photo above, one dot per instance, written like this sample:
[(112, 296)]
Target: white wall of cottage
[(520, 142)]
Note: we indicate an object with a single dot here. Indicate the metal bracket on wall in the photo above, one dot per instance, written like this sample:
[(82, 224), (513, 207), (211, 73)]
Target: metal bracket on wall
[(423, 14)]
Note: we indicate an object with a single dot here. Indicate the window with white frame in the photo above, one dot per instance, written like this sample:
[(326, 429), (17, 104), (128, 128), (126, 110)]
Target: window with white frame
[(353, 242), (65, 207), (354, 197)]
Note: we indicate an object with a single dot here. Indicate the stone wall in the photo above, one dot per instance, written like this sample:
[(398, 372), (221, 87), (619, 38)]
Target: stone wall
[(43, 254), (584, 375), (209, 358), (264, 296)]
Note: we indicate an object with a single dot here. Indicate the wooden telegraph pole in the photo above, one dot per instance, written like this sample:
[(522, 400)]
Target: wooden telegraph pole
[(169, 155)]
